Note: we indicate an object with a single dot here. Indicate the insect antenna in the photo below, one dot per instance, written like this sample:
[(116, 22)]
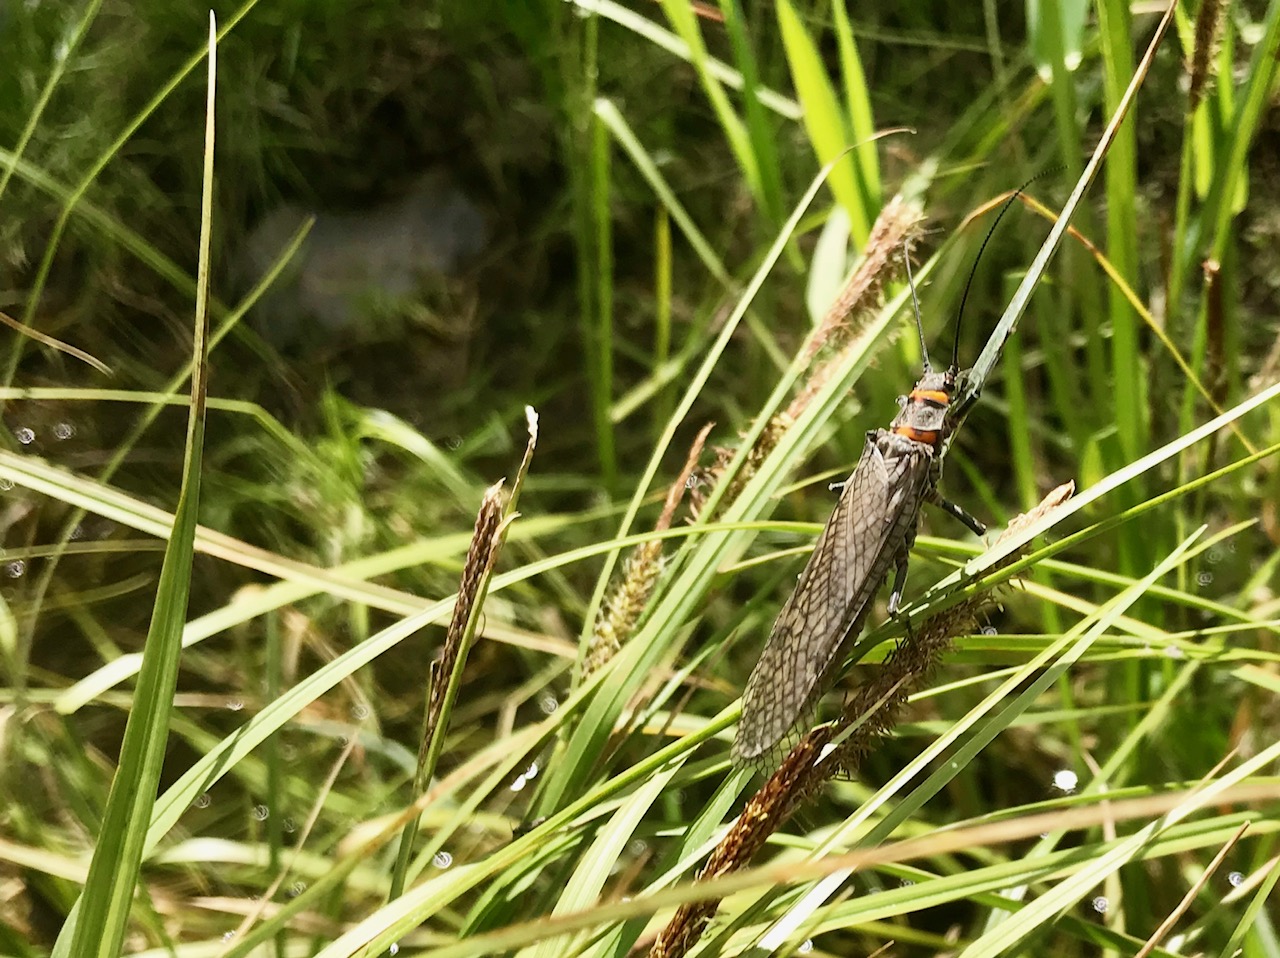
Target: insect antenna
[(964, 298), (915, 304)]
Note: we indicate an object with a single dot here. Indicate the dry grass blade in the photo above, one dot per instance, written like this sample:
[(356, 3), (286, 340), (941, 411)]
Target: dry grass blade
[(1166, 926), (810, 764), (57, 344)]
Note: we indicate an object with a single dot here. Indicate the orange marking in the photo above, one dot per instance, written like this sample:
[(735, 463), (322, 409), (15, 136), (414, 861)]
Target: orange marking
[(927, 436), (931, 395)]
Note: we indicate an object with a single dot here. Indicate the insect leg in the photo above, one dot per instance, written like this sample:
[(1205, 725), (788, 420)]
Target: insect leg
[(895, 597), (951, 509), (899, 581)]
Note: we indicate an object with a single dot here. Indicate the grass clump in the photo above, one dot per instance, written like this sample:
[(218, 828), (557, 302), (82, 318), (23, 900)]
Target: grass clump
[(674, 197)]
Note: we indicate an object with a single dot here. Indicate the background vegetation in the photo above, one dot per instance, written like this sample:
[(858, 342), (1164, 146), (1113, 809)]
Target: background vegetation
[(637, 168)]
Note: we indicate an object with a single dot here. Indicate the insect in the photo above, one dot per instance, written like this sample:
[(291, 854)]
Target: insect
[(870, 533)]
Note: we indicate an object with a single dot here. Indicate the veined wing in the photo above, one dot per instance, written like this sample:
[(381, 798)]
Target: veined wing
[(877, 511)]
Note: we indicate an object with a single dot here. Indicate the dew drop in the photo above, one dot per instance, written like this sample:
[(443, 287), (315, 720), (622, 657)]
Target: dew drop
[(442, 859), (806, 946), (6, 485), (1065, 780), (1100, 904), (1204, 578), (297, 888), (260, 812), (519, 783), (638, 847), (228, 935), (15, 569), (1172, 652), (548, 704), (1236, 879), (289, 825), (203, 800), (360, 712), (24, 435), (236, 705), (63, 430)]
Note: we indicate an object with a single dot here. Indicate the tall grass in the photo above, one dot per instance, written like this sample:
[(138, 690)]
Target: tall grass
[(1088, 769)]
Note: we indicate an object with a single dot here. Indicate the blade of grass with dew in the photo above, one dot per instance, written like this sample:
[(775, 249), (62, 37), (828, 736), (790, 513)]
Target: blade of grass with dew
[(100, 919), (123, 448), (397, 918), (503, 757), (135, 514), (596, 864), (1102, 781), (775, 875), (697, 840), (824, 121), (217, 761), (1253, 914), (1047, 907)]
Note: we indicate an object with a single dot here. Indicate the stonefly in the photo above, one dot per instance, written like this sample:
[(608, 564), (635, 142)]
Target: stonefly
[(870, 532)]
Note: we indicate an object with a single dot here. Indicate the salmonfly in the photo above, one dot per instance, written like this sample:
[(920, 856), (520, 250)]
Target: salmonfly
[(870, 533)]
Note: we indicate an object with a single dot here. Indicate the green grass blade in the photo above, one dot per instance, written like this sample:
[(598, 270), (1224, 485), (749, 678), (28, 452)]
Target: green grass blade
[(824, 120), (683, 19), (103, 917)]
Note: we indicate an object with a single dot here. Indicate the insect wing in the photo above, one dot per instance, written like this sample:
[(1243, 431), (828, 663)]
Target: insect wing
[(876, 511)]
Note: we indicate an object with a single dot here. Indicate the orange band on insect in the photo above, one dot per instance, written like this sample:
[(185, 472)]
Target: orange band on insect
[(927, 436), (931, 395)]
